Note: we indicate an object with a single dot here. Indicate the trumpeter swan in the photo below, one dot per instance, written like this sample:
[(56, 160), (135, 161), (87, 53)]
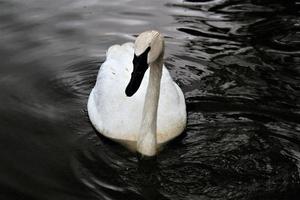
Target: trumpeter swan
[(135, 101)]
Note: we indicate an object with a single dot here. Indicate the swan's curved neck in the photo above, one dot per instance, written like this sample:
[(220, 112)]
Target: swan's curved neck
[(146, 141)]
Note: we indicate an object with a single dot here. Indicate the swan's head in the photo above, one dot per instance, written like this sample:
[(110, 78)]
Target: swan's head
[(148, 49), (150, 43)]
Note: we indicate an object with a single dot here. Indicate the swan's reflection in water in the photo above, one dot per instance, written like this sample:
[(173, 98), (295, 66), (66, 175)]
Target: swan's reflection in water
[(231, 159)]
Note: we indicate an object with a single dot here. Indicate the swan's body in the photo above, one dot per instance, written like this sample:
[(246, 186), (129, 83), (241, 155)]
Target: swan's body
[(155, 114)]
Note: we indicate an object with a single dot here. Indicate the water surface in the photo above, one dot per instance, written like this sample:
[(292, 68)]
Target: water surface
[(236, 61)]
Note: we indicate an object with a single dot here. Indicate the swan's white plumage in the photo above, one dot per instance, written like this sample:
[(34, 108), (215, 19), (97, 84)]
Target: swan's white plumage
[(117, 116)]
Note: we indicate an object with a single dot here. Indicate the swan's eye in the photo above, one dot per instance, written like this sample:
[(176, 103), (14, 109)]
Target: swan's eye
[(141, 59), (134, 60)]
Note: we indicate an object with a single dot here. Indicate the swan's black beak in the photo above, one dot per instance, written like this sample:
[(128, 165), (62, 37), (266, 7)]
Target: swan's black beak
[(140, 66)]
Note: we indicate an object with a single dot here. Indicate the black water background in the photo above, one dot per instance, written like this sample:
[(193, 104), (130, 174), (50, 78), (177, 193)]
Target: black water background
[(236, 61)]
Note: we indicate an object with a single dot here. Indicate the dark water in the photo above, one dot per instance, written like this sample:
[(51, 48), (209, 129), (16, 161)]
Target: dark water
[(237, 61)]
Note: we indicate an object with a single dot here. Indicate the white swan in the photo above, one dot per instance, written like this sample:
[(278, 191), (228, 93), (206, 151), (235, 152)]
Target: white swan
[(139, 107)]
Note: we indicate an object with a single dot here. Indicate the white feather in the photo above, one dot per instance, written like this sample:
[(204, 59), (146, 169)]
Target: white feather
[(117, 116)]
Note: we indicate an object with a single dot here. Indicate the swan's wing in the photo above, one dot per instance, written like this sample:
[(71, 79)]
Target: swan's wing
[(171, 119), (113, 113)]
